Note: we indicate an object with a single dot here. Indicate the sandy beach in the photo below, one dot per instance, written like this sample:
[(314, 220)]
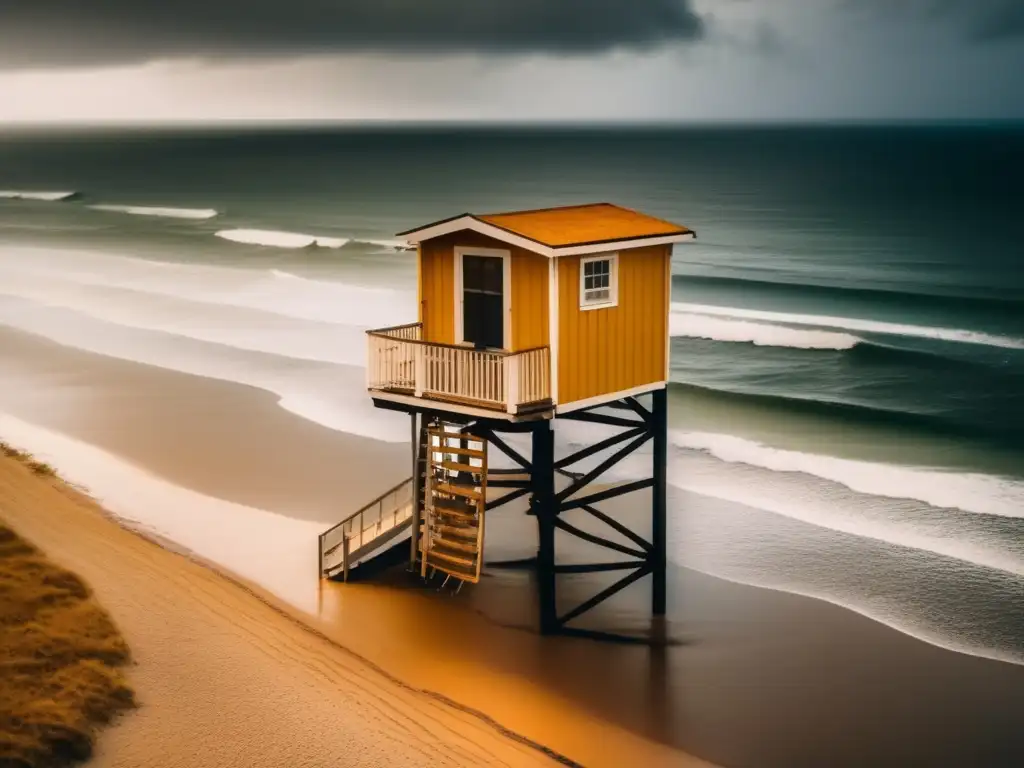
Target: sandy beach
[(223, 678), (753, 677)]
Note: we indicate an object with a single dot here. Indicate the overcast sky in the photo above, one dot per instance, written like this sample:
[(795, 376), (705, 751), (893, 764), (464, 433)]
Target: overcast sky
[(580, 60)]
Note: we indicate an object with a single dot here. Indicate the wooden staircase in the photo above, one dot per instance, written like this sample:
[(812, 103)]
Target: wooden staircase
[(450, 486), (452, 533)]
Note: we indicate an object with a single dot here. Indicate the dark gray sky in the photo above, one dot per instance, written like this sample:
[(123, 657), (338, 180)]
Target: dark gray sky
[(149, 60)]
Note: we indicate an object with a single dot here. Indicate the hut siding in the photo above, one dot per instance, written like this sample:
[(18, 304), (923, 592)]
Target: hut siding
[(437, 290), (632, 336)]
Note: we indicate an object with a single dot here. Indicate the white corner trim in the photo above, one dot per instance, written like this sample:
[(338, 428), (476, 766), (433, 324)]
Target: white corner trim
[(620, 245), (668, 315), (506, 290), (469, 222), (613, 282), (553, 327), (592, 401)]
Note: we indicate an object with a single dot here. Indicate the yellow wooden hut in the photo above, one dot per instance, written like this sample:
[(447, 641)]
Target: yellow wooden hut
[(525, 317), (529, 314)]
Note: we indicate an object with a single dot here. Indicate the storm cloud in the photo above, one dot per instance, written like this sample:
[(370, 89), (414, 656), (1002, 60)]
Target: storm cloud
[(980, 20), (76, 32)]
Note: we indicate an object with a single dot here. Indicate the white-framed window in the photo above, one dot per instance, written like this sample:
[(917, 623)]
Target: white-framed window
[(599, 281)]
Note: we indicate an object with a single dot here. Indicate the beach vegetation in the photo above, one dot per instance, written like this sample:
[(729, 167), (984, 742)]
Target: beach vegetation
[(62, 660), (39, 467)]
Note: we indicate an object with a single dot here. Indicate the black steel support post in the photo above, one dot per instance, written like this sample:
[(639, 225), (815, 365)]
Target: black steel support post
[(545, 509), (659, 523)]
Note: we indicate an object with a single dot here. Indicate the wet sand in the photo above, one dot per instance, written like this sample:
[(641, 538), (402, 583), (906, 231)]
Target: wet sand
[(757, 678), (222, 677)]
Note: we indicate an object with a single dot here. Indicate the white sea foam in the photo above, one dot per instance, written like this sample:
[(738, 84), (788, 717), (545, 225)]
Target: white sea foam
[(331, 395), (886, 614), (238, 327), (239, 538), (688, 324), (971, 492), (51, 197), (171, 213), (397, 245), (275, 239), (849, 513), (852, 324), (271, 291)]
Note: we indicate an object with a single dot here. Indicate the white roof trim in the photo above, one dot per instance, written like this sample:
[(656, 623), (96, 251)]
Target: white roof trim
[(469, 222), (619, 245)]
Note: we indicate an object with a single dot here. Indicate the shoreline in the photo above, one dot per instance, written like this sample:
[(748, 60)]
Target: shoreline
[(754, 666), (32, 505), (524, 710)]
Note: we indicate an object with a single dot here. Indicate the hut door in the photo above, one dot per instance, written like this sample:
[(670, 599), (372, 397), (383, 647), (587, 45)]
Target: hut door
[(483, 301)]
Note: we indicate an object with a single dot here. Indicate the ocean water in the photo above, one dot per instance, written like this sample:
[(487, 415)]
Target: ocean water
[(848, 329)]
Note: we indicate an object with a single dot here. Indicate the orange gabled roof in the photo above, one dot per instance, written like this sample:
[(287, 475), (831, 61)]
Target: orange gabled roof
[(574, 229), (582, 224)]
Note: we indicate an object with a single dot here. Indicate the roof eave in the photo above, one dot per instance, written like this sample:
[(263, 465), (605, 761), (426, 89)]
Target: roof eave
[(468, 221)]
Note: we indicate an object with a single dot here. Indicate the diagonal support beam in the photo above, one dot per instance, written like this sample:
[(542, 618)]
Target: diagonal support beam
[(508, 450), (603, 467), (601, 418), (615, 524), (604, 594), (623, 565), (643, 413), (608, 493), (599, 540), (590, 450)]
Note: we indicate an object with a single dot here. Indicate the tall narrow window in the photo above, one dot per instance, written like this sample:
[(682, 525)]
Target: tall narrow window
[(599, 282)]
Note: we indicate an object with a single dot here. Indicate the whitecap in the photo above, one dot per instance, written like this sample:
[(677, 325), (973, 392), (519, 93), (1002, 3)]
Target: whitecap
[(50, 197), (963, 336), (702, 327), (277, 239), (171, 213), (967, 491)]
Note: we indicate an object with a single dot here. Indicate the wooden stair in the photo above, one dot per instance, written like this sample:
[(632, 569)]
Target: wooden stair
[(452, 533)]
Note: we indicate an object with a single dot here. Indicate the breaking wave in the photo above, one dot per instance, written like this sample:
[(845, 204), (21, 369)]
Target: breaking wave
[(276, 239), (967, 491), (51, 197), (851, 324), (697, 326), (171, 213)]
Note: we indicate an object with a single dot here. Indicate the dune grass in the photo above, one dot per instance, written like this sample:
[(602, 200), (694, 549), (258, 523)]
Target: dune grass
[(39, 467), (61, 657)]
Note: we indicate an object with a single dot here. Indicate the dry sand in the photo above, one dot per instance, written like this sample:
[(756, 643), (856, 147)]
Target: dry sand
[(223, 678)]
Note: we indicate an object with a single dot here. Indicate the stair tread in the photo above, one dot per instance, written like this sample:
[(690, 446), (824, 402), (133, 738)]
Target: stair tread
[(459, 546), (457, 514), (459, 490), (433, 553), (466, 532), (475, 453), (460, 467)]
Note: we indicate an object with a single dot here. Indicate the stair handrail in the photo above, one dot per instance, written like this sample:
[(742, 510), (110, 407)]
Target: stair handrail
[(358, 513)]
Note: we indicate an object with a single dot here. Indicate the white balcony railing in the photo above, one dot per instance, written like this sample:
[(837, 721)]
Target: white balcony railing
[(399, 360)]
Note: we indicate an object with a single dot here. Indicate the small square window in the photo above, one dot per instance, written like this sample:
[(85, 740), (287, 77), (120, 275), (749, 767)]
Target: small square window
[(599, 282)]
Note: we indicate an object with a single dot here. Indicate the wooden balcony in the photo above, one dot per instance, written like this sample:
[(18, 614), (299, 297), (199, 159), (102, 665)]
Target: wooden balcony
[(400, 366)]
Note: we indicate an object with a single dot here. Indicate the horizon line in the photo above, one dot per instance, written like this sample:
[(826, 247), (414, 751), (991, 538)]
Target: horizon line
[(542, 123)]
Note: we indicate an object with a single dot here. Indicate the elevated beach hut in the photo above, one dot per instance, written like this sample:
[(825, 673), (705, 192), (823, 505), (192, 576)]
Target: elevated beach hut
[(533, 312), (525, 317)]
